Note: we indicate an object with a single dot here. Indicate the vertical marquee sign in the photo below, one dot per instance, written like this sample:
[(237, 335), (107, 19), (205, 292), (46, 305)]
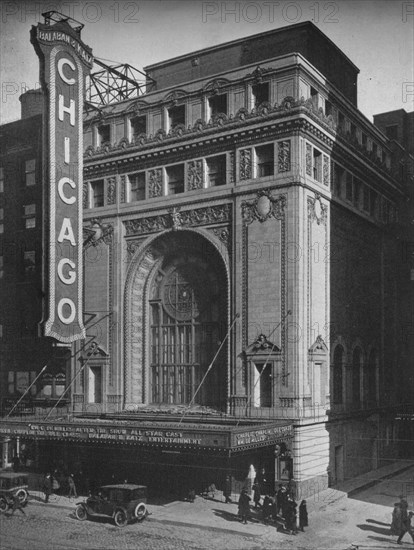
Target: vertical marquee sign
[(64, 64)]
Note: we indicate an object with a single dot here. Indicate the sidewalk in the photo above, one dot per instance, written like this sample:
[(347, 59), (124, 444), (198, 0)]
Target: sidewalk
[(213, 514)]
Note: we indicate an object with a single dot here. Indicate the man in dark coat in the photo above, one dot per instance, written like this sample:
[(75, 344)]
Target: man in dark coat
[(281, 499), (303, 515), (291, 516), (227, 489), (244, 506), (47, 486), (405, 522), (256, 494)]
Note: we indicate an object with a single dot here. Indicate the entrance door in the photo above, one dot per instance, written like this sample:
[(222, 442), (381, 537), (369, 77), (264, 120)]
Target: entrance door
[(95, 385), (339, 463)]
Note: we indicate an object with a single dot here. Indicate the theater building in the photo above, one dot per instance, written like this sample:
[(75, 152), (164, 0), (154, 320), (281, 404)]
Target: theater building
[(243, 275)]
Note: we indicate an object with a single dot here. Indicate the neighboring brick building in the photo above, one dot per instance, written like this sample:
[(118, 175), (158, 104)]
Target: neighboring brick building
[(244, 182)]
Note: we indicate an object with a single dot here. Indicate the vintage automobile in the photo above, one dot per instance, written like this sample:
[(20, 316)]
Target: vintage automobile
[(12, 484), (124, 502)]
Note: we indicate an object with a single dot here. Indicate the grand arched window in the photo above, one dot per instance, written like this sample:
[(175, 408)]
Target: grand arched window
[(337, 375), (186, 304), (370, 379)]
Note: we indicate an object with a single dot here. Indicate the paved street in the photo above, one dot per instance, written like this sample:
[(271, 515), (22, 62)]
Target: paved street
[(337, 522)]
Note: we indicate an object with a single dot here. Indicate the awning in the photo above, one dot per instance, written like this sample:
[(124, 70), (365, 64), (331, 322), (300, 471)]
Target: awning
[(230, 436)]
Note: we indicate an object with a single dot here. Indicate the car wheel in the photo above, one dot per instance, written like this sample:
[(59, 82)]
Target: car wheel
[(22, 495), (120, 518), (80, 513), (140, 511), (3, 505)]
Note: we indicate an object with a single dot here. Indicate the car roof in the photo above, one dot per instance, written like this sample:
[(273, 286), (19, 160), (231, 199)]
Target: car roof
[(12, 475), (124, 486)]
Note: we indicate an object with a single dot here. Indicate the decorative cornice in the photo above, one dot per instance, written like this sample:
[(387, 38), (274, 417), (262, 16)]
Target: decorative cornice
[(176, 219)]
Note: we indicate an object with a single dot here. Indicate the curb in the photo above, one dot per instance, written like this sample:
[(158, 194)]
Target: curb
[(373, 482)]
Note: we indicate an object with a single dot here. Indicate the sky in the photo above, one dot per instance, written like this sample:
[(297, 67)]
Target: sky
[(378, 37)]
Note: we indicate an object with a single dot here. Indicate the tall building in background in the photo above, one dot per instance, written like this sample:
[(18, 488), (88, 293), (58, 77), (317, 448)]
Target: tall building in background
[(246, 276)]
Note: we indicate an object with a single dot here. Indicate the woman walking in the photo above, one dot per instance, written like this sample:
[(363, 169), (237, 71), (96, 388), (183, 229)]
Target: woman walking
[(244, 506)]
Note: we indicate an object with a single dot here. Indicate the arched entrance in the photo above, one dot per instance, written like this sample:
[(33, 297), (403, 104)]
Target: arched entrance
[(177, 301)]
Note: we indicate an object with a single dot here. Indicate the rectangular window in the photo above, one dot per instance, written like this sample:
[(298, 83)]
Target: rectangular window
[(357, 192), (138, 126), (373, 199), (364, 140), (176, 115), (365, 198), (1, 179), (216, 170), (30, 216), (353, 130), (317, 165), (392, 131), (97, 195), (95, 385), (265, 160), (314, 96), (328, 108), (136, 187), (29, 262), (339, 177), (260, 93), (341, 121), (104, 134), (175, 179), (217, 104), (30, 172), (375, 149), (348, 187)]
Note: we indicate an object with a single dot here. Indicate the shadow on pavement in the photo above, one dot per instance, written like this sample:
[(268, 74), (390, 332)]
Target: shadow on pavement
[(228, 516), (378, 522), (381, 539), (378, 530)]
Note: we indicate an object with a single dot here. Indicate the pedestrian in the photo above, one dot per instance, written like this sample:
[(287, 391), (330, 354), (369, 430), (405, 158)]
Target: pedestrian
[(256, 493), (396, 519), (227, 489), (267, 508), (281, 499), (16, 463), (17, 505), (244, 506), (290, 516), (303, 515), (71, 486), (47, 486), (405, 522)]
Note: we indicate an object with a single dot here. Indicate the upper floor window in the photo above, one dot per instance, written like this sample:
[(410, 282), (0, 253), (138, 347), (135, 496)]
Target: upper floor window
[(136, 187), (373, 201), (317, 165), (29, 262), (97, 193), (260, 93), (365, 198), (175, 179), (392, 131), (314, 96), (349, 187), (339, 177), (138, 126), (328, 108), (30, 172), (30, 216), (104, 134), (1, 179), (217, 104), (341, 121), (364, 140), (216, 170), (265, 160), (176, 115)]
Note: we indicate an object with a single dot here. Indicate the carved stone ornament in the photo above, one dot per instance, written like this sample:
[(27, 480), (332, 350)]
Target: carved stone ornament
[(317, 210), (123, 188), (223, 235), (263, 207), (85, 194), (155, 183), (195, 175), (111, 190), (283, 156), (189, 218), (326, 170), (245, 166), (318, 346), (308, 159), (176, 222), (262, 344)]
